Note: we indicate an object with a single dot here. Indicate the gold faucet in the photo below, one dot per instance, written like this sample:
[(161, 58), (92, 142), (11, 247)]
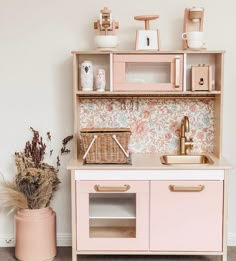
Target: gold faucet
[(184, 142)]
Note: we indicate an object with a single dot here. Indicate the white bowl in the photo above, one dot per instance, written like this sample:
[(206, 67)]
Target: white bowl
[(106, 41)]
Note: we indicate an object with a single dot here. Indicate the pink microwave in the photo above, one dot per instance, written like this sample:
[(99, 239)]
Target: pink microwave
[(148, 72)]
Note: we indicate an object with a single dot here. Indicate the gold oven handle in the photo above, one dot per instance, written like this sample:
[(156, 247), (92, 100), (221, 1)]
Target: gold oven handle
[(123, 188), (198, 188)]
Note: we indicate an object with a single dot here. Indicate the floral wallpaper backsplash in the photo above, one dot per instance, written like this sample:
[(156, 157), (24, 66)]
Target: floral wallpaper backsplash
[(155, 123)]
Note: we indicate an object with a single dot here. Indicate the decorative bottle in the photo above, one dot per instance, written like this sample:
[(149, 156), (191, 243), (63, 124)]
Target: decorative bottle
[(100, 80), (86, 76)]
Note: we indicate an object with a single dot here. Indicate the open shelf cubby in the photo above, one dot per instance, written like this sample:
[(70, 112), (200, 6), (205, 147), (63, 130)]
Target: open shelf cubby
[(112, 215)]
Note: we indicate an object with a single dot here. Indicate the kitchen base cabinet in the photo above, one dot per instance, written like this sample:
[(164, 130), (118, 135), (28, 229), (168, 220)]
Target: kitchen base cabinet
[(186, 216), (156, 216)]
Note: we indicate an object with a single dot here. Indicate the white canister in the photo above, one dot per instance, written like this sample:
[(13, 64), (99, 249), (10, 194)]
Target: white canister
[(86, 76), (100, 80)]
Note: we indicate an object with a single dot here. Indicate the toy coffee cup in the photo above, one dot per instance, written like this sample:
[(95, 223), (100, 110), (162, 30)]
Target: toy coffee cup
[(195, 44), (194, 39)]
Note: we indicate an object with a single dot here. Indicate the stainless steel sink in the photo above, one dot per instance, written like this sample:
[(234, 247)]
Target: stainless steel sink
[(186, 160)]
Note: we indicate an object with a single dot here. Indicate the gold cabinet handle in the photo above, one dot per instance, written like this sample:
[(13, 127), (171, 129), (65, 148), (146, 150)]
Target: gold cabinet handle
[(198, 188), (100, 188)]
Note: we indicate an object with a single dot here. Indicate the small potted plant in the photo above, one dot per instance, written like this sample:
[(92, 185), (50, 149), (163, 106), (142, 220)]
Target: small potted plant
[(30, 195)]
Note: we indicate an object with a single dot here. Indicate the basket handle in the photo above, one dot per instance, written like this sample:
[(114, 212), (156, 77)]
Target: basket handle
[(90, 146), (121, 147)]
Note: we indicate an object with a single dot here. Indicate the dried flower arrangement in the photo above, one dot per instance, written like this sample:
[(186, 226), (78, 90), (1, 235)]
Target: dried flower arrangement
[(35, 180)]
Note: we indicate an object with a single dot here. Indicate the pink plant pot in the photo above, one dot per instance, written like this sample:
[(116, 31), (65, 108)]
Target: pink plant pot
[(35, 234)]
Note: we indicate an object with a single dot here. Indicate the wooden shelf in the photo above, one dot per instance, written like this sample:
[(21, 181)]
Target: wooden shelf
[(108, 94), (112, 222), (112, 232), (112, 217), (147, 52)]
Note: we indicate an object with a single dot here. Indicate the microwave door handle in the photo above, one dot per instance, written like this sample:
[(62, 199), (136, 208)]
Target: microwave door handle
[(177, 72)]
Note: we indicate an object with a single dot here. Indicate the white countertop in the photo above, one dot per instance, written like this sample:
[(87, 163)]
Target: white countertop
[(149, 161)]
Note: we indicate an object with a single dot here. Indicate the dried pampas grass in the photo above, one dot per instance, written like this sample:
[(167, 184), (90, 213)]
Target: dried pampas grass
[(10, 197)]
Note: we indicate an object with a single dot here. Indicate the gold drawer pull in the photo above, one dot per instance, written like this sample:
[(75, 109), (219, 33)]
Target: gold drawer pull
[(197, 188), (100, 188)]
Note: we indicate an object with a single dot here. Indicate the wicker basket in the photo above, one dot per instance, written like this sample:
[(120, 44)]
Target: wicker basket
[(105, 145)]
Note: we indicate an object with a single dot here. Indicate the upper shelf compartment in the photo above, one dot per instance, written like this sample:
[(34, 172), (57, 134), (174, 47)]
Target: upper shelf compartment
[(212, 60), (99, 60), (157, 74)]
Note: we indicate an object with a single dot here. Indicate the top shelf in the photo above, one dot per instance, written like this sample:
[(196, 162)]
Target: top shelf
[(148, 52)]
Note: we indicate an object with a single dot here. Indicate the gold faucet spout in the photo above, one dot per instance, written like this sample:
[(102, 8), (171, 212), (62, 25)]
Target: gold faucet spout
[(184, 143), (185, 124)]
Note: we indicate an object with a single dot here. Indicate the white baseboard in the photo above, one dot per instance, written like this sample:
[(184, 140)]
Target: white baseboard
[(231, 239), (64, 240), (8, 240)]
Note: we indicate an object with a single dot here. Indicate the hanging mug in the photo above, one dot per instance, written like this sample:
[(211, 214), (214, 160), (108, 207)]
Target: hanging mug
[(86, 75), (100, 80)]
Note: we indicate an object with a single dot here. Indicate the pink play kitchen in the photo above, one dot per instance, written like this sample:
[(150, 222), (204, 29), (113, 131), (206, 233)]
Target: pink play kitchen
[(148, 176)]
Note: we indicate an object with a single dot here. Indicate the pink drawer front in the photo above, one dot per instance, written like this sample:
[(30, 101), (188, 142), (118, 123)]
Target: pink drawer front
[(112, 215), (148, 72), (186, 220)]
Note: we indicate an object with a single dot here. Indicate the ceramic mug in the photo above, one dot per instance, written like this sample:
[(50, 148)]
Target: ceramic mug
[(195, 44), (194, 39), (193, 36)]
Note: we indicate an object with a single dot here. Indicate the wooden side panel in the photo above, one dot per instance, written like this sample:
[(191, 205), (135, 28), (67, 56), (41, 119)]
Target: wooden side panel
[(225, 215), (75, 111), (219, 72), (73, 215), (218, 127)]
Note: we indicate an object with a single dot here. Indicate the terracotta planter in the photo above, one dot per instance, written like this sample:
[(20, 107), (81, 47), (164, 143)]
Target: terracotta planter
[(35, 234)]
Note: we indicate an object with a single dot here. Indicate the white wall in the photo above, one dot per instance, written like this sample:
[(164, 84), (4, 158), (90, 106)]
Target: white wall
[(36, 38)]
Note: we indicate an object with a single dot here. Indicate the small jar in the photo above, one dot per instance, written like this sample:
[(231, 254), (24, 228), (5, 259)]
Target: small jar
[(100, 80)]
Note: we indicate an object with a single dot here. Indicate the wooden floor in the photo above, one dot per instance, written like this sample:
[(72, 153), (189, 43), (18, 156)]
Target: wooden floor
[(64, 254)]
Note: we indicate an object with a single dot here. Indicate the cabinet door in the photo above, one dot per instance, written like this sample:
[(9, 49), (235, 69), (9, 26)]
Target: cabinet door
[(148, 72), (112, 215), (186, 215)]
